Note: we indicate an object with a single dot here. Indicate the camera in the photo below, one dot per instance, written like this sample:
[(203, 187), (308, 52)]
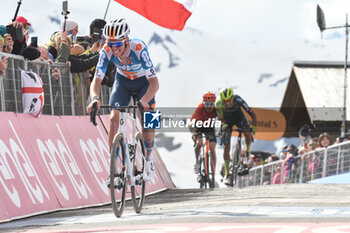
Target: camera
[(16, 33), (96, 34), (83, 39), (65, 7)]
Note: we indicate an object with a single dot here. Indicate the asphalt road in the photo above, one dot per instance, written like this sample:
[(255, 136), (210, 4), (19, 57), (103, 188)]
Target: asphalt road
[(295, 203)]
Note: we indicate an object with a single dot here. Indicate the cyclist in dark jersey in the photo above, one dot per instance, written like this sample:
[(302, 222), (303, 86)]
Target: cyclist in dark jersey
[(204, 111), (228, 108)]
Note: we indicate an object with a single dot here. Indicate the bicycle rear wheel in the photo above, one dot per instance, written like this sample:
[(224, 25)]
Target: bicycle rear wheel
[(117, 164), (235, 165), (138, 166)]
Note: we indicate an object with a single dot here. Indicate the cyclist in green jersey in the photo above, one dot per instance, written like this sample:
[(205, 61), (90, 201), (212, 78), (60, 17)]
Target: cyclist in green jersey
[(229, 112)]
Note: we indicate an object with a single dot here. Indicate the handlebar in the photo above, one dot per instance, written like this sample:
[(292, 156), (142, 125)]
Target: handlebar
[(240, 130), (120, 108), (93, 114)]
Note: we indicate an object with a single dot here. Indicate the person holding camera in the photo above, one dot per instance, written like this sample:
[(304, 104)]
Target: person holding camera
[(71, 27)]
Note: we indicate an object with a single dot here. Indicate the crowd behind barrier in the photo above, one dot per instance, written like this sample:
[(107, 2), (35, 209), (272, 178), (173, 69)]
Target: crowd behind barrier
[(65, 93), (319, 163)]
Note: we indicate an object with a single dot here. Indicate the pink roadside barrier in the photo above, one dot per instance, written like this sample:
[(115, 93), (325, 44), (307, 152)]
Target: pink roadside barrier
[(56, 162)]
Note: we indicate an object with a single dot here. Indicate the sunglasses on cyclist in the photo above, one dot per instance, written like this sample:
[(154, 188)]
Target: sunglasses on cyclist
[(116, 44), (229, 101), (209, 104)]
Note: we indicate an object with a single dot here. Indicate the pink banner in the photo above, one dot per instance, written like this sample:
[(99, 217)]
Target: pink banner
[(53, 162)]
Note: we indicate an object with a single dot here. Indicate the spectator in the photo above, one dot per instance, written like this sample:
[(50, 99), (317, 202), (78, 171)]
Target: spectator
[(77, 50), (71, 27), (59, 46), (258, 159), (277, 177), (44, 54), (2, 43), (19, 44), (24, 21), (3, 61), (288, 163), (3, 66), (8, 43), (31, 53), (324, 140), (304, 135), (284, 152)]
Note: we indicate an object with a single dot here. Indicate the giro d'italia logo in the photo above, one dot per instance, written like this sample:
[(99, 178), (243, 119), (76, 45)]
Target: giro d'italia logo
[(151, 120)]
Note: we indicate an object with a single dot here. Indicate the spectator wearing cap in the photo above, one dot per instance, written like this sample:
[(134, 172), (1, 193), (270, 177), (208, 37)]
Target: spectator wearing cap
[(258, 159), (24, 21), (304, 133), (19, 44)]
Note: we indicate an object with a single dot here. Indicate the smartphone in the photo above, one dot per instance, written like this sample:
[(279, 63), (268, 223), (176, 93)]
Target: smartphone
[(65, 7), (16, 33), (34, 41)]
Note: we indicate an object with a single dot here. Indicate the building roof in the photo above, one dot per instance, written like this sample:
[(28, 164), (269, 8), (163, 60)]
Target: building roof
[(314, 94)]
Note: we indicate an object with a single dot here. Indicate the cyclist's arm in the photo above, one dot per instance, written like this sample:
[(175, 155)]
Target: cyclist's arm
[(254, 119), (248, 110), (193, 117), (94, 93), (96, 82), (220, 110), (151, 91)]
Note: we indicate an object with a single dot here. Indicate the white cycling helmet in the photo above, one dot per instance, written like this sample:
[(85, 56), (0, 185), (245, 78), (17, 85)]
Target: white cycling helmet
[(116, 29)]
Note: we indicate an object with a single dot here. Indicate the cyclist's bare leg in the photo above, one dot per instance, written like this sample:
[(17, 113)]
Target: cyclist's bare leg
[(148, 137), (197, 149), (248, 140), (113, 126), (212, 146)]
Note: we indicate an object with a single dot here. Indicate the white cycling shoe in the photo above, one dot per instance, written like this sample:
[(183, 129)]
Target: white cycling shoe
[(149, 173), (117, 182)]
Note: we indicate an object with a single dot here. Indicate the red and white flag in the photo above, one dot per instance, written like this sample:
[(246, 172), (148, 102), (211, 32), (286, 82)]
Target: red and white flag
[(171, 14), (32, 93)]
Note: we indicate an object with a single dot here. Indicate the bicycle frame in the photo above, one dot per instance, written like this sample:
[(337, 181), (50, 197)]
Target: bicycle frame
[(204, 174), (130, 147)]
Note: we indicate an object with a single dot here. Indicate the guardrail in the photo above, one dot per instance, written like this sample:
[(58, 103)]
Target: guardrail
[(65, 94), (316, 164)]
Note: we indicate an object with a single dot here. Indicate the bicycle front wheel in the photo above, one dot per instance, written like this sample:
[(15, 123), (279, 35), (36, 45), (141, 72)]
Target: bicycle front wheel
[(117, 169), (210, 169), (138, 166), (202, 183), (235, 165)]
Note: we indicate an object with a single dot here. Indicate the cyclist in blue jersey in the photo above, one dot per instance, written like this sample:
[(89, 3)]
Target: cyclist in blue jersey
[(135, 73)]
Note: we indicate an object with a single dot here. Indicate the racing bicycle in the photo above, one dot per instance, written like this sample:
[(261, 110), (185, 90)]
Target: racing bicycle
[(129, 164), (206, 176), (237, 165)]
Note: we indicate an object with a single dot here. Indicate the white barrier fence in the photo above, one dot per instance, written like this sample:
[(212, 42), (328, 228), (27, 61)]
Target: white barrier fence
[(316, 164), (65, 93)]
